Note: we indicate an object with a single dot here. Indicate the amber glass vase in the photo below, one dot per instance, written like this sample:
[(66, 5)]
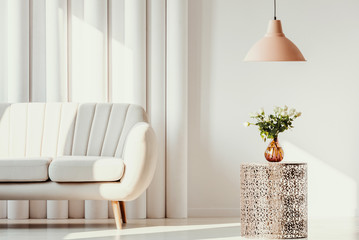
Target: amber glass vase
[(274, 152)]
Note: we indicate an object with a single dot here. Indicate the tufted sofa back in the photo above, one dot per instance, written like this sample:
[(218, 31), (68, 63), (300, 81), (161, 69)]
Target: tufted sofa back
[(56, 129)]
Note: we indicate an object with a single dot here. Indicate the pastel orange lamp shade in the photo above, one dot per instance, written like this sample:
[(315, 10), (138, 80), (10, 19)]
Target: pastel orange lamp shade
[(274, 46)]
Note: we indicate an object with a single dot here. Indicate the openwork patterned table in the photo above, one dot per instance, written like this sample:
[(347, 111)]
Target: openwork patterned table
[(274, 200)]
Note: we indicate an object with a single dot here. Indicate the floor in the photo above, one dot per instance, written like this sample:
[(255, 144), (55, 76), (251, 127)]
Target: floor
[(193, 228)]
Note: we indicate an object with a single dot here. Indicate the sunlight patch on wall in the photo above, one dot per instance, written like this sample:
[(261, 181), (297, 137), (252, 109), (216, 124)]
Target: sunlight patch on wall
[(330, 192), (89, 61)]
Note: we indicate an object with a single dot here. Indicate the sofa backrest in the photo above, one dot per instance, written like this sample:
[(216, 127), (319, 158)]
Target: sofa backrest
[(56, 129)]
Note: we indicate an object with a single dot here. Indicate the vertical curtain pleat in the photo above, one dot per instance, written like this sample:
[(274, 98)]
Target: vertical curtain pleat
[(3, 51), (156, 100), (109, 208), (57, 209), (89, 66), (128, 65), (18, 72), (135, 42), (18, 209), (3, 73), (55, 28), (120, 90), (37, 86), (18, 51), (176, 125), (135, 73), (38, 209), (38, 50), (3, 209), (56, 50), (76, 209), (96, 209)]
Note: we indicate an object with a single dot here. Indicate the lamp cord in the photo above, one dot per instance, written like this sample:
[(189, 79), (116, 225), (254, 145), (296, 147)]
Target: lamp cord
[(275, 9)]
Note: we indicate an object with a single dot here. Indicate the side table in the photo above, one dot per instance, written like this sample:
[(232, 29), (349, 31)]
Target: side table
[(273, 200)]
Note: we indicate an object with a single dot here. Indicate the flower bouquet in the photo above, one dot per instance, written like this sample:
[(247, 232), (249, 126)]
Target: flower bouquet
[(271, 125)]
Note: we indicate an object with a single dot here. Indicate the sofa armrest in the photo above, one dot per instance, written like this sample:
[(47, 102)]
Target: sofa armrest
[(140, 158)]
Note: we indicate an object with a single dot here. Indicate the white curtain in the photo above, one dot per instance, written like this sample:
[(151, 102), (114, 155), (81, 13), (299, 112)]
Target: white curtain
[(101, 51)]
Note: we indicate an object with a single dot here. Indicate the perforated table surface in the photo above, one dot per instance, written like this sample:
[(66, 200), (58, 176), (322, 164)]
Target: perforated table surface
[(273, 200)]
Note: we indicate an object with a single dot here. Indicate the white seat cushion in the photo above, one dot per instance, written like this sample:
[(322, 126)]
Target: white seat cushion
[(86, 169), (25, 169)]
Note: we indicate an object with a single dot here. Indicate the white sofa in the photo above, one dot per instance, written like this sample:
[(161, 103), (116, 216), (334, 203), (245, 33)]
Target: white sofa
[(70, 151)]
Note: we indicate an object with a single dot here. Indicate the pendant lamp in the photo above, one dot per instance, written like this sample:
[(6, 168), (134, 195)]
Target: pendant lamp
[(274, 46)]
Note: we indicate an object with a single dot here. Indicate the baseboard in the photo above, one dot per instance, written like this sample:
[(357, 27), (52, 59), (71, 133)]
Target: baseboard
[(213, 212), (233, 212)]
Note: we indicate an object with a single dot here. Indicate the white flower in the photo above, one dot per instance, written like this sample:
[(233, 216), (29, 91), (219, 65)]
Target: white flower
[(298, 114), (246, 124), (266, 118), (292, 112), (285, 108), (284, 112), (261, 111), (253, 115), (276, 109)]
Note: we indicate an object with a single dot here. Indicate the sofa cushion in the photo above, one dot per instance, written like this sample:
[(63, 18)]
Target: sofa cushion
[(25, 169), (86, 169)]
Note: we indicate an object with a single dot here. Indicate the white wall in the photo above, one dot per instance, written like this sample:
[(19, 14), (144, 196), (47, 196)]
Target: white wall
[(223, 90)]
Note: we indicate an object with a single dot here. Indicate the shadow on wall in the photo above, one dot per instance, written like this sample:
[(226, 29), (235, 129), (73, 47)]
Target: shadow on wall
[(327, 187)]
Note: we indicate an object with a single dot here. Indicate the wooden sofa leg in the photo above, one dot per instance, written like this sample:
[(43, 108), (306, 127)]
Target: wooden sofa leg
[(116, 213), (123, 211)]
